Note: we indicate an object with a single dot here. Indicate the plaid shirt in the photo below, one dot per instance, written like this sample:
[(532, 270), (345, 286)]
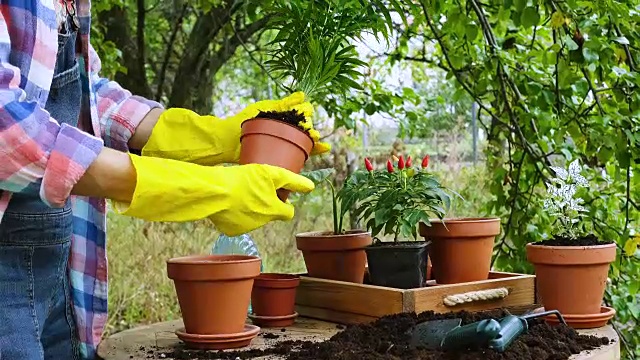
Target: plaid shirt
[(36, 150)]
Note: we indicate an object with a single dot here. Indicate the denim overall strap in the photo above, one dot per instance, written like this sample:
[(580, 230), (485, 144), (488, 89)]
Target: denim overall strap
[(36, 318)]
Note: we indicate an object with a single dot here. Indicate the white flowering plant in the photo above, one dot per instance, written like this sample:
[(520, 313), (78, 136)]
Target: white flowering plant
[(562, 202)]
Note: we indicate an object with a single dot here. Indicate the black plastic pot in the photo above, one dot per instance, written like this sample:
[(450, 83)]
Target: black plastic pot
[(401, 265)]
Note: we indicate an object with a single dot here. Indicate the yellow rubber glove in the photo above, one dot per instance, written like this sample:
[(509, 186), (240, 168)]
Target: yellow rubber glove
[(182, 134), (238, 199)]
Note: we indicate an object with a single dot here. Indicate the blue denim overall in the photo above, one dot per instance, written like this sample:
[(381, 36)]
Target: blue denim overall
[(36, 320)]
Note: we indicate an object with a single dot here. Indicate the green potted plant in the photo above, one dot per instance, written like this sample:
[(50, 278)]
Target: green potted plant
[(572, 267), (312, 53), (393, 202), (338, 254)]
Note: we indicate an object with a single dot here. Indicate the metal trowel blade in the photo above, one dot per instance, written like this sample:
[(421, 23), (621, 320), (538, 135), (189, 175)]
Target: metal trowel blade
[(429, 334)]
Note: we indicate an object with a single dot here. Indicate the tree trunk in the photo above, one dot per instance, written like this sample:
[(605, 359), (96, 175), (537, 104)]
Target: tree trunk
[(115, 20), (202, 35), (202, 102)]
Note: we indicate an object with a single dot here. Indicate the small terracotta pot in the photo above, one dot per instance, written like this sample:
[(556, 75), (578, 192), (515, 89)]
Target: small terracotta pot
[(335, 257), (571, 279), (214, 291), (273, 142), (274, 294), (461, 251)]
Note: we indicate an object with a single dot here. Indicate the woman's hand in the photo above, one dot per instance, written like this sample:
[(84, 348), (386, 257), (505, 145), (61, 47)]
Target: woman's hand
[(182, 134), (238, 199)]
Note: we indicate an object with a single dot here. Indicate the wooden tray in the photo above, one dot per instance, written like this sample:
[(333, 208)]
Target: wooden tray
[(349, 303)]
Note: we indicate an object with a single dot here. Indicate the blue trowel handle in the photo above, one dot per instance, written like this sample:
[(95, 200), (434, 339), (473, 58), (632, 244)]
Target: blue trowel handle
[(472, 335), (510, 328)]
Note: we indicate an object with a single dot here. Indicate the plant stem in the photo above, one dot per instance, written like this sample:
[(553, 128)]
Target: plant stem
[(337, 228)]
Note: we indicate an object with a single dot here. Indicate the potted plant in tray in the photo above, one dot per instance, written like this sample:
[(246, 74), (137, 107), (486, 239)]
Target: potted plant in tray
[(393, 202), (337, 254), (572, 267), (311, 53)]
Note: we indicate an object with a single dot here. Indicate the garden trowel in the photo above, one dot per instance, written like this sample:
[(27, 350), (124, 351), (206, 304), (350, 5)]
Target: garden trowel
[(489, 333)]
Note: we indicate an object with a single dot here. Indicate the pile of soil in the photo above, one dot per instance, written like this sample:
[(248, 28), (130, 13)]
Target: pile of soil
[(292, 117), (589, 240), (388, 339)]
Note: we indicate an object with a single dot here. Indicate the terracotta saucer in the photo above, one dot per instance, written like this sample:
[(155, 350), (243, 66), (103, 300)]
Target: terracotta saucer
[(590, 321), (219, 341), (274, 321)]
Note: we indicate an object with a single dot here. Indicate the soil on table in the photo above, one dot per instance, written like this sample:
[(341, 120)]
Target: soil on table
[(291, 117), (589, 240), (388, 339)]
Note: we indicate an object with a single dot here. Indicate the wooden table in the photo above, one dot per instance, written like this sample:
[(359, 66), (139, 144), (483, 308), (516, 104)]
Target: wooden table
[(134, 343)]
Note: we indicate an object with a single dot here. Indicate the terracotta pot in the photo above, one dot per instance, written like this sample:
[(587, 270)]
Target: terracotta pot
[(214, 291), (273, 142), (274, 294), (335, 257), (571, 279), (461, 251)]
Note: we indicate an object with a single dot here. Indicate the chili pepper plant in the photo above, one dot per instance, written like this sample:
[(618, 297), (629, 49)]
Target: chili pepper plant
[(392, 202)]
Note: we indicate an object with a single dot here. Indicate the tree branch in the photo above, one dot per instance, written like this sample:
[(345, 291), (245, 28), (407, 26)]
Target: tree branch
[(167, 55)]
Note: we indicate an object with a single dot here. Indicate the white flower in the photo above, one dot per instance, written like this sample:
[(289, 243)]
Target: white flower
[(560, 201), (574, 172), (560, 172)]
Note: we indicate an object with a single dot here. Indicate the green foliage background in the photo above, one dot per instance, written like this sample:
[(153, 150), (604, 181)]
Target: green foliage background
[(554, 80)]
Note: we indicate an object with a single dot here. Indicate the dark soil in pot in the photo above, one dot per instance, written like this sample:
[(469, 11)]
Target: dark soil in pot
[(589, 240), (401, 265), (388, 339), (291, 117)]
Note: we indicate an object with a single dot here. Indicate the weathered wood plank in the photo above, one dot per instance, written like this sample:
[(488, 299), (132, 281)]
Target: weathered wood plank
[(521, 293), (367, 300)]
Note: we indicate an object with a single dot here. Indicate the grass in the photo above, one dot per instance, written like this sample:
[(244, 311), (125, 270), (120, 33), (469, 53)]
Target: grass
[(140, 292)]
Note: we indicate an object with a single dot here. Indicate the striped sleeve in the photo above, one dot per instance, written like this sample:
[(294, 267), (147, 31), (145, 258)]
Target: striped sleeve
[(120, 112), (36, 152)]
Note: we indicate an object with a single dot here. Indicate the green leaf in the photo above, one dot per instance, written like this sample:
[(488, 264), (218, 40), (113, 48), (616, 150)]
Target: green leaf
[(471, 30), (621, 40), (318, 176), (520, 4), (590, 55), (571, 45), (530, 17)]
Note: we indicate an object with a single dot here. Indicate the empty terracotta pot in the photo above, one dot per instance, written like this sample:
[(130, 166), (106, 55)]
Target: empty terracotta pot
[(273, 142), (214, 291), (461, 251), (571, 279), (335, 257), (274, 296)]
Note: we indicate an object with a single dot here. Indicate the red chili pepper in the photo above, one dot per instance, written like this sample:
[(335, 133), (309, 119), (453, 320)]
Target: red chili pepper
[(425, 162), (408, 164), (401, 163), (367, 164), (389, 166)]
